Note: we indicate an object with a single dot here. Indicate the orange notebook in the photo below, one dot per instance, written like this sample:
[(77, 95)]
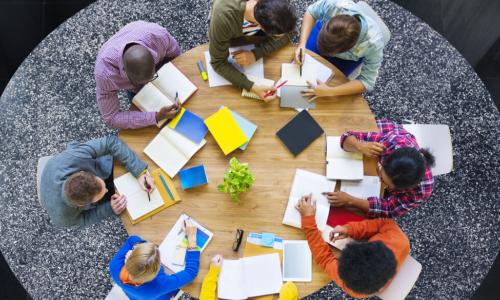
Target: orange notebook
[(139, 206)]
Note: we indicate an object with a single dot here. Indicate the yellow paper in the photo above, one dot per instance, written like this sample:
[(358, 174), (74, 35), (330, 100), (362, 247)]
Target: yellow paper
[(177, 118), (225, 130)]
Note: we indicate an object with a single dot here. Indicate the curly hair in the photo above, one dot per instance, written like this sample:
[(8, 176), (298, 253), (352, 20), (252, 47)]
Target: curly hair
[(406, 166)]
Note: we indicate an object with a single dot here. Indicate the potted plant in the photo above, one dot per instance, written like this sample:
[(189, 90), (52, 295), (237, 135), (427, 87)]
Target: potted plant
[(238, 179)]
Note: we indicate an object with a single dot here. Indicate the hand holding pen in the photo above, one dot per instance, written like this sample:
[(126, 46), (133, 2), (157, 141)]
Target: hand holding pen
[(147, 183)]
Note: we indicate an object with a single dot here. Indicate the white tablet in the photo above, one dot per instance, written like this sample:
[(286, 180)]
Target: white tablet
[(297, 261)]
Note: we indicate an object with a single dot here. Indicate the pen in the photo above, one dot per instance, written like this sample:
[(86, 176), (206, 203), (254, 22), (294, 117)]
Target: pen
[(270, 93), (202, 70), (177, 100), (300, 58), (148, 187)]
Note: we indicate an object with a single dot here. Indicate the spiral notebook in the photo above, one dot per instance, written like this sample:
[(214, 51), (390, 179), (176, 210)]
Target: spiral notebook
[(258, 81)]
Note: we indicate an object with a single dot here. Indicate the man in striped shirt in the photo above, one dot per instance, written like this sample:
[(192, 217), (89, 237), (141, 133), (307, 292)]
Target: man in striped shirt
[(127, 61)]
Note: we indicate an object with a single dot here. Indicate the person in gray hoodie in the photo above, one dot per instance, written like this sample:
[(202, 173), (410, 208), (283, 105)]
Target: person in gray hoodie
[(77, 185)]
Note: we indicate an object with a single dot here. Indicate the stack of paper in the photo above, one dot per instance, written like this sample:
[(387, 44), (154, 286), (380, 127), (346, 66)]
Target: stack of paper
[(341, 164), (250, 277), (214, 79), (305, 183), (189, 125), (248, 127), (226, 131), (171, 150)]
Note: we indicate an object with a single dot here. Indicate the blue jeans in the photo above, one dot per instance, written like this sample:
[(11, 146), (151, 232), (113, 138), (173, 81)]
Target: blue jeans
[(345, 66)]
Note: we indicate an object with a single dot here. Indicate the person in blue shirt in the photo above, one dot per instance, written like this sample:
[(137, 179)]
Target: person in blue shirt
[(137, 268), (340, 31)]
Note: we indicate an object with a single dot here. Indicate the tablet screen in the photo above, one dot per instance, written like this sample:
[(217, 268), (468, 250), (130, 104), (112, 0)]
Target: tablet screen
[(297, 261)]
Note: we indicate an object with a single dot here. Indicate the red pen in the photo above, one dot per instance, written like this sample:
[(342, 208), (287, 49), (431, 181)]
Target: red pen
[(270, 93)]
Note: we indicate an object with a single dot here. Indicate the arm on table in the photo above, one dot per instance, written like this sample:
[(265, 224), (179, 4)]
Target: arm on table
[(209, 284)]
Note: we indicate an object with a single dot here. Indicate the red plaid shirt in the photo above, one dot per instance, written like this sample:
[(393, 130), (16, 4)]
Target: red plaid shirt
[(394, 203)]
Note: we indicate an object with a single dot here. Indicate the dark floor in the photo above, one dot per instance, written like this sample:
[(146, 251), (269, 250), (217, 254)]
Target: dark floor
[(35, 19)]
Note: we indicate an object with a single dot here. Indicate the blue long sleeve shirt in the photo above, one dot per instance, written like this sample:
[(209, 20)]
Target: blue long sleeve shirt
[(163, 286)]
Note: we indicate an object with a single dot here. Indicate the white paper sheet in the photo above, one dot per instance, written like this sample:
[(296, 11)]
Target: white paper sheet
[(369, 186), (341, 164)]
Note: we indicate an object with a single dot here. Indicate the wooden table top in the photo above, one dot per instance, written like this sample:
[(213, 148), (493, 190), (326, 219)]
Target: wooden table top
[(262, 207)]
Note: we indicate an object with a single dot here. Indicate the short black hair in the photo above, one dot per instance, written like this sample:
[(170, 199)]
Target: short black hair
[(406, 166), (275, 16), (366, 267)]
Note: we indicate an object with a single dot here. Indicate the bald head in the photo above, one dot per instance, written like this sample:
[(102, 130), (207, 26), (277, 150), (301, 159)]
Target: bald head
[(139, 64)]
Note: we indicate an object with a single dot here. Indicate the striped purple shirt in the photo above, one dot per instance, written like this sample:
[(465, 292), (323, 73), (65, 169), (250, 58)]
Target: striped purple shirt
[(110, 76)]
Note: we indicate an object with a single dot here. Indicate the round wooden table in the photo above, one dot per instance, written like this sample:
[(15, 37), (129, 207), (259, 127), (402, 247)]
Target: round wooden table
[(262, 207)]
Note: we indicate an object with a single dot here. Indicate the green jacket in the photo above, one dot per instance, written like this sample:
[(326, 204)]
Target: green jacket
[(226, 29)]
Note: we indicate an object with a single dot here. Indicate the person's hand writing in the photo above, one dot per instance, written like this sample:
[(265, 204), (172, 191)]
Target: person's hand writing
[(297, 57), (118, 203), (262, 91), (338, 233), (190, 231), (243, 58), (306, 206), (216, 260), (320, 89), (371, 149), (149, 180), (168, 112), (337, 199)]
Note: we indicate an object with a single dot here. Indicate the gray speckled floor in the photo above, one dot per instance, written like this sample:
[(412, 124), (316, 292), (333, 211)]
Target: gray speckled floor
[(50, 101)]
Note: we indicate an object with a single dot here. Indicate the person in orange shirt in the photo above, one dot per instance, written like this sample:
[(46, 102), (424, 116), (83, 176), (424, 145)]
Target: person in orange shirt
[(363, 267)]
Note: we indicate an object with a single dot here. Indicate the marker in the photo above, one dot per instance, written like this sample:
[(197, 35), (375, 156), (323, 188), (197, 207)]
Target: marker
[(300, 58), (202, 70), (270, 93), (148, 187)]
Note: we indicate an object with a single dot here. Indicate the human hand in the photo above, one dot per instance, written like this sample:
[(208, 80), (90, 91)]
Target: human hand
[(190, 231), (306, 206), (168, 112), (243, 58), (266, 93), (298, 59), (337, 199), (216, 260), (149, 184), (338, 233), (371, 149), (315, 90), (118, 203)]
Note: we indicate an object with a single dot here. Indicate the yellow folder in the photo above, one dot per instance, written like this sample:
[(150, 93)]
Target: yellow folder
[(225, 130)]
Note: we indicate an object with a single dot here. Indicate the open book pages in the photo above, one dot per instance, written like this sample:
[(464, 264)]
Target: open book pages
[(250, 277), (175, 238), (258, 81), (171, 150), (339, 244), (214, 79), (369, 186), (138, 203), (305, 183), (341, 164), (161, 92)]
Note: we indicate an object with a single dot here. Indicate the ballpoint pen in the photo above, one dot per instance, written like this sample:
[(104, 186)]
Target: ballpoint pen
[(148, 187), (300, 58), (270, 93)]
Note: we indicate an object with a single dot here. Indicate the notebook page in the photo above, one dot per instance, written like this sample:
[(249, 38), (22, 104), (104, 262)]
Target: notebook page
[(150, 98), (183, 144), (171, 80), (369, 186), (291, 72), (323, 73), (231, 281), (165, 154), (138, 203), (305, 183), (292, 216), (262, 275), (339, 244), (344, 168), (333, 149)]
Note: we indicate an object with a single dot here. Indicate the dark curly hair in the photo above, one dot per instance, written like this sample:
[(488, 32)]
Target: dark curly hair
[(275, 16), (366, 267), (406, 166)]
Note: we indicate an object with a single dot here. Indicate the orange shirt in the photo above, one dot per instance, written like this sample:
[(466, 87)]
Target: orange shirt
[(385, 230), (124, 277)]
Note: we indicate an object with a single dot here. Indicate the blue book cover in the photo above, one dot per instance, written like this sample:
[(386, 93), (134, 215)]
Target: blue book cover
[(192, 127), (193, 177)]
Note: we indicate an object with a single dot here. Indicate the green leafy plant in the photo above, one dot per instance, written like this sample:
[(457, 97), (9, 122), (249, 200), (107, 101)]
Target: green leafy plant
[(238, 179)]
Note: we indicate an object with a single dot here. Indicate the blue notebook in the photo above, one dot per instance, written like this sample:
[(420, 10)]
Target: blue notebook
[(193, 177), (246, 126), (190, 126)]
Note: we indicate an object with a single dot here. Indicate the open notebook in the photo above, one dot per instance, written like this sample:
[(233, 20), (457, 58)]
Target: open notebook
[(341, 164), (312, 70), (249, 277), (161, 91), (369, 186), (171, 150), (305, 183), (139, 207)]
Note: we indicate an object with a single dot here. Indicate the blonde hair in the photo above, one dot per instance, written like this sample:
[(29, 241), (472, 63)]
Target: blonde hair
[(143, 264)]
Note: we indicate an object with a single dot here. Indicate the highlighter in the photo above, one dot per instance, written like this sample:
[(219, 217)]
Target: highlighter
[(202, 71)]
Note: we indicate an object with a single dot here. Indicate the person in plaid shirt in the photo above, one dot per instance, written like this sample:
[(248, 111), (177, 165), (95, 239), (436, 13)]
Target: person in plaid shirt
[(403, 168)]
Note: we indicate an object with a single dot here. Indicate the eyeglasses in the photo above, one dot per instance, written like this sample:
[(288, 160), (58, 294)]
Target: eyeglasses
[(237, 239)]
